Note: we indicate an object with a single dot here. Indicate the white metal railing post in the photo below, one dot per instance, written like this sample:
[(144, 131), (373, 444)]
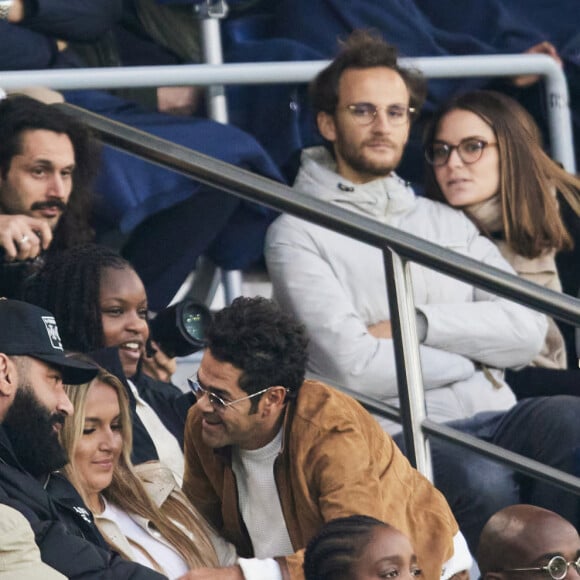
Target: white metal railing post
[(210, 13), (408, 361), (560, 123)]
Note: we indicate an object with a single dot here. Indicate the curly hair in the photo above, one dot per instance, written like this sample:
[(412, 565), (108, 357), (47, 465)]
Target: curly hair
[(19, 114), (68, 286), (269, 346), (528, 179), (363, 49), (331, 554)]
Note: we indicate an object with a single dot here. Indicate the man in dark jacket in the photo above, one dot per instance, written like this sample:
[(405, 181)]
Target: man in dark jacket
[(160, 208), (46, 163), (33, 406)]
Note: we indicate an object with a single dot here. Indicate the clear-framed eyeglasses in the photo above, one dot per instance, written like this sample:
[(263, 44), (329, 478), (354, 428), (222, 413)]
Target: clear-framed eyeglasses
[(366, 113), (469, 151), (215, 400), (556, 568)]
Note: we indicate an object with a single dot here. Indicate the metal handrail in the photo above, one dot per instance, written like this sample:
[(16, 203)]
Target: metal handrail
[(401, 244), (556, 86), (395, 244)]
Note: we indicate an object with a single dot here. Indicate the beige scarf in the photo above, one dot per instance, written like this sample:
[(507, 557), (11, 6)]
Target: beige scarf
[(541, 270)]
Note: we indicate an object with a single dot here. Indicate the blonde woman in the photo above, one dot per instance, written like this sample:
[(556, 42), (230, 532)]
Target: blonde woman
[(485, 157), (140, 511)]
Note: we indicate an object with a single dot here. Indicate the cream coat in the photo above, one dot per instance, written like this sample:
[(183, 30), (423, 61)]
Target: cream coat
[(336, 286), (160, 484)]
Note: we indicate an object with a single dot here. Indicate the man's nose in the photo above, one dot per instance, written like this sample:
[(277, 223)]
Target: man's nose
[(381, 121), (58, 188), (64, 405)]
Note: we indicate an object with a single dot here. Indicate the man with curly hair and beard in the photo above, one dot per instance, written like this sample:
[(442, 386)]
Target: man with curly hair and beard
[(270, 457), (47, 160)]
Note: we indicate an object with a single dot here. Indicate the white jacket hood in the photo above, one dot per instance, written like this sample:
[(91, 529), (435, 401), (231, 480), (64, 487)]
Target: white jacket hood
[(382, 199)]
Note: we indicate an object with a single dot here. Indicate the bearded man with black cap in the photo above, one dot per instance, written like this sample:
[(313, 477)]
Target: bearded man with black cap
[(33, 407)]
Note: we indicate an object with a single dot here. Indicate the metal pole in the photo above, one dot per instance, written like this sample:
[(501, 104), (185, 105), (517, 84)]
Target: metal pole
[(407, 358)]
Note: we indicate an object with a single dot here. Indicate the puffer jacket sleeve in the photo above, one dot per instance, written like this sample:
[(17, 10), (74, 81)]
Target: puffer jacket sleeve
[(491, 330), (341, 348)]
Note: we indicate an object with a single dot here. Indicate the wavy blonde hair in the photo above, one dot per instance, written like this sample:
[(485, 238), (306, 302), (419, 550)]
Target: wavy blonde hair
[(176, 520)]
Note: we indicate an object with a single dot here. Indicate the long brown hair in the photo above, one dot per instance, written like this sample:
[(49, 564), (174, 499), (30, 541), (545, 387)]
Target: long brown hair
[(174, 519), (528, 178)]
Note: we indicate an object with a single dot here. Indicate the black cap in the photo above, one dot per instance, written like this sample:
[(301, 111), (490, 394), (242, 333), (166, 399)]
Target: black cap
[(28, 330)]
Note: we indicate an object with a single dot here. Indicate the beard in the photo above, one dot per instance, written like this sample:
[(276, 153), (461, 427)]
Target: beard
[(357, 157), (30, 428)]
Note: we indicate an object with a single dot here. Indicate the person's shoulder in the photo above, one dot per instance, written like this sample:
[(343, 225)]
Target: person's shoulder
[(444, 223), (286, 228), (326, 408)]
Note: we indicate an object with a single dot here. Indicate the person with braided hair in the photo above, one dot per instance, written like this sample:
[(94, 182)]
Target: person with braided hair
[(101, 304), (358, 547), (361, 547)]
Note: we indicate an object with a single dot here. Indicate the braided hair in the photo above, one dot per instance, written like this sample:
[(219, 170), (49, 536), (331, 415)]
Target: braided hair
[(331, 554), (68, 286)]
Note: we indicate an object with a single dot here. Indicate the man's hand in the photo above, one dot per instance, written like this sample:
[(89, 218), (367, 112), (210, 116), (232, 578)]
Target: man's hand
[(229, 573), (23, 237), (159, 366), (541, 48), (381, 329), (16, 11), (177, 100)]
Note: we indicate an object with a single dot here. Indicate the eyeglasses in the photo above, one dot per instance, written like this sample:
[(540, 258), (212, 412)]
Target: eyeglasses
[(366, 113), (215, 400), (557, 568), (469, 151)]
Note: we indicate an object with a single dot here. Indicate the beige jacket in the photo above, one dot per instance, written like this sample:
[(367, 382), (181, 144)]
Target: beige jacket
[(159, 484)]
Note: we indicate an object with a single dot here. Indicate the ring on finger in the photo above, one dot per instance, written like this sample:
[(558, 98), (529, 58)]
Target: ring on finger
[(24, 239)]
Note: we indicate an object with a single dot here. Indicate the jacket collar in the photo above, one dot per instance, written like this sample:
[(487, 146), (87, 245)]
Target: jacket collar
[(381, 199), (7, 455), (225, 453)]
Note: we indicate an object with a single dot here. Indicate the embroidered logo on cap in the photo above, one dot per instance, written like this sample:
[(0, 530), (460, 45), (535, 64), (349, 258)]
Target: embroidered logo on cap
[(52, 330)]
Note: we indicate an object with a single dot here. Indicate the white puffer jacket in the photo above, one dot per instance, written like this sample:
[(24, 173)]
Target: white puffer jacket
[(336, 286)]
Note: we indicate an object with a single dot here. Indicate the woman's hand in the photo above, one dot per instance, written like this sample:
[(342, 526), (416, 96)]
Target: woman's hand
[(159, 366), (541, 48)]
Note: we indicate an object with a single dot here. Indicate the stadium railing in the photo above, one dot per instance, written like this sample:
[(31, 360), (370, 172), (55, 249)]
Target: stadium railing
[(399, 248)]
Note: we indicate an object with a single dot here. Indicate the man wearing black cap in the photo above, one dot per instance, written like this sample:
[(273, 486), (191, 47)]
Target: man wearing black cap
[(33, 407)]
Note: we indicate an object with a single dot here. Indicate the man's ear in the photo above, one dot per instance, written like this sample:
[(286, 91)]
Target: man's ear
[(326, 126), (275, 397), (8, 376)]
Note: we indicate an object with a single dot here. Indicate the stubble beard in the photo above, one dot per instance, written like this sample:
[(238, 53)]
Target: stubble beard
[(354, 155)]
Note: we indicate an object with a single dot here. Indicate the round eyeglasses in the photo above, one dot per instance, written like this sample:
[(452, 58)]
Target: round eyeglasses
[(469, 151), (366, 113), (556, 568), (215, 400)]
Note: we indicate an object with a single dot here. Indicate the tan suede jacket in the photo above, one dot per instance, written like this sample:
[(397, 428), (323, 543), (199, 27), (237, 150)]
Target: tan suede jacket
[(335, 461)]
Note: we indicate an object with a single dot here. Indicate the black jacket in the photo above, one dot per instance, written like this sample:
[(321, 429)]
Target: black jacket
[(64, 530)]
